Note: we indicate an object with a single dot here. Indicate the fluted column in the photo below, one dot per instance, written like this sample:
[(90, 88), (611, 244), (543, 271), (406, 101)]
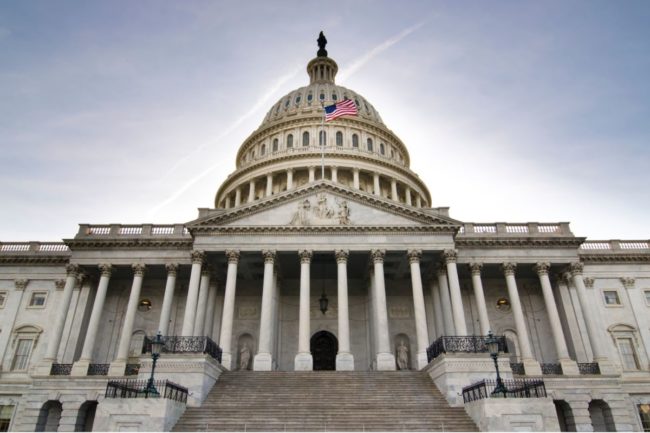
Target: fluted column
[(477, 284), (312, 173), (202, 304), (434, 288), (385, 357), (334, 170), (421, 332), (454, 291), (165, 313), (264, 359), (418, 200), (344, 358), (208, 326), (129, 318), (80, 367), (530, 365), (228, 308), (289, 179), (375, 182), (568, 366), (445, 302), (304, 360), (192, 294), (355, 178), (407, 195), (269, 184), (238, 196), (62, 314), (251, 190)]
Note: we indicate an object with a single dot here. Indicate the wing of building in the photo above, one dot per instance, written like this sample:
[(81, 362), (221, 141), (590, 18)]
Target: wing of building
[(325, 251)]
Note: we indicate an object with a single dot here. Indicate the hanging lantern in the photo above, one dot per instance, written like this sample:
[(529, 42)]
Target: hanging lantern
[(323, 301)]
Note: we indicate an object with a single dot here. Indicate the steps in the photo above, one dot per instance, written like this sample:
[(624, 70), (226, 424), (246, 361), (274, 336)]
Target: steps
[(325, 401)]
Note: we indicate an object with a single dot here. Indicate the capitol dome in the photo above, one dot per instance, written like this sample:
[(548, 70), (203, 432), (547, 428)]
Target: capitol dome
[(285, 152)]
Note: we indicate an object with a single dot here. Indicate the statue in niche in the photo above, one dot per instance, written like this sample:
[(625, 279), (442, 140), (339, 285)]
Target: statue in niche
[(244, 356), (402, 356)]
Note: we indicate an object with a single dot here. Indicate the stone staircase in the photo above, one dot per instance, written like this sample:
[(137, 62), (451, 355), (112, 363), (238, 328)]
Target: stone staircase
[(325, 401)]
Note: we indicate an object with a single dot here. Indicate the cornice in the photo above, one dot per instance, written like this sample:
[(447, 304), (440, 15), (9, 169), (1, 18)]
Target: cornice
[(627, 258), (273, 230), (519, 242), (34, 259), (86, 244)]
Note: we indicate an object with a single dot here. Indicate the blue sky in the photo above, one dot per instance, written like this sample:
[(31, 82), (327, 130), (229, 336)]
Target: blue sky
[(132, 112)]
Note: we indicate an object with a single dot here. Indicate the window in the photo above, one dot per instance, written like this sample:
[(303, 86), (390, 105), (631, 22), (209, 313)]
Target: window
[(5, 417), (3, 299), (355, 140), (275, 145), (262, 149), (305, 139), (21, 356), (333, 96), (310, 97), (644, 414), (628, 355), (322, 140), (37, 299), (339, 138), (370, 144), (289, 141), (382, 148), (645, 292), (611, 297), (297, 99), (322, 97)]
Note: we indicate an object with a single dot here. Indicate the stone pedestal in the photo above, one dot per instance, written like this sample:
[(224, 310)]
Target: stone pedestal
[(303, 362), (514, 414), (569, 367), (263, 362), (43, 368), (531, 367), (344, 362), (80, 368), (386, 362), (607, 367), (117, 368)]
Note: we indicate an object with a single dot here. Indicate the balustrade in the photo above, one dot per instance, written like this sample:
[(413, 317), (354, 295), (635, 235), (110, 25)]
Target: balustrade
[(515, 388), (174, 344), (467, 344)]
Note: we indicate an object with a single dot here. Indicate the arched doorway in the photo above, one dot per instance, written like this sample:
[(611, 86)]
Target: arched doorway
[(323, 346), (49, 416), (601, 416), (86, 416)]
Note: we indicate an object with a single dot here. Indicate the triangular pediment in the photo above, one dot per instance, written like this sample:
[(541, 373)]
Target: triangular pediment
[(324, 205)]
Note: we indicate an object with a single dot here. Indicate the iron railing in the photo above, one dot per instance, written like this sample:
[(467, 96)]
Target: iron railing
[(139, 389), (548, 368), (588, 368), (467, 344), (60, 369), (98, 369), (132, 369), (515, 388), (517, 368), (175, 344)]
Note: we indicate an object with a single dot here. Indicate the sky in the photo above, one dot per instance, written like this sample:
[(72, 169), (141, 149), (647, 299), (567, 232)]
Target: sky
[(512, 111)]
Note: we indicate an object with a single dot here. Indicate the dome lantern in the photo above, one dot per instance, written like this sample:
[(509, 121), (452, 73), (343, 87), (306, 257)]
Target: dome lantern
[(322, 69)]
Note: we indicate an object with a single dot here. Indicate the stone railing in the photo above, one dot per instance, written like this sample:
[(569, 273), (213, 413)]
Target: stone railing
[(467, 344), (551, 368), (614, 246), (43, 248), (131, 231), (519, 229), (588, 368), (60, 369), (514, 388)]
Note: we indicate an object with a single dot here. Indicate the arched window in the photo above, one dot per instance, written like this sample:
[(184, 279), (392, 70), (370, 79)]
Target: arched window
[(382, 149), (339, 138), (305, 139), (370, 144), (355, 140), (275, 145), (289, 141), (310, 97), (322, 139), (333, 96), (297, 99), (322, 96), (262, 149)]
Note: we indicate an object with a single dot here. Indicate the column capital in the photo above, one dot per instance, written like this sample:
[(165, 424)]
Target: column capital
[(377, 255), (206, 271), (355, 169), (172, 269), (138, 269), (59, 284), (105, 269), (542, 268), (440, 270), (342, 256), (233, 256), (269, 256), (21, 284), (589, 282), (290, 170), (197, 257), (476, 268), (71, 269), (414, 256), (79, 280), (305, 256), (628, 282), (450, 256), (508, 268), (576, 268)]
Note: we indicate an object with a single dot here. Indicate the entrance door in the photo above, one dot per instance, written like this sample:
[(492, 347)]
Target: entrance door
[(323, 346)]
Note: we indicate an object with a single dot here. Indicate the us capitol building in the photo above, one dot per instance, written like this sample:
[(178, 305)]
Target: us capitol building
[(338, 262)]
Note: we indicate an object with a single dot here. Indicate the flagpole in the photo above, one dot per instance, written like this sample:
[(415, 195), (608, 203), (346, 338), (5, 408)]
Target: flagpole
[(321, 138)]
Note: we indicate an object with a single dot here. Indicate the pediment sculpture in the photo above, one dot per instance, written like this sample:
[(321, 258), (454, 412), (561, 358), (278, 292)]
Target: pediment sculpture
[(320, 213)]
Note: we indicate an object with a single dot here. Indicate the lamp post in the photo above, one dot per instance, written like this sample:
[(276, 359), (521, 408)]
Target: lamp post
[(492, 343), (156, 346)]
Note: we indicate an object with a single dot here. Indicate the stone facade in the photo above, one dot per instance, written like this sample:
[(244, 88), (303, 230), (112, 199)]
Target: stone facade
[(288, 235)]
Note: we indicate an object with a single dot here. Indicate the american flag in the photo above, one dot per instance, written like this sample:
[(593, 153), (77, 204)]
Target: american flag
[(346, 107)]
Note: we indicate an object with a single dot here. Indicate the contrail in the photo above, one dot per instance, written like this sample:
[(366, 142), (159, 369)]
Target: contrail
[(378, 49)]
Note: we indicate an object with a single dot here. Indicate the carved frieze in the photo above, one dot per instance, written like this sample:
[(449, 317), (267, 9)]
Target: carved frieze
[(247, 312), (399, 312), (319, 212)]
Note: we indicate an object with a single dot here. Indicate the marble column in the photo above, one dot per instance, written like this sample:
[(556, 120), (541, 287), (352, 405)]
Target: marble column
[(479, 295), (531, 367), (407, 195), (263, 361), (334, 170), (454, 291), (385, 358), (192, 294), (168, 299), (269, 184), (289, 179), (344, 358), (251, 191), (228, 308), (421, 332), (445, 300), (438, 315), (210, 310), (237, 196), (62, 313), (202, 303), (606, 366), (355, 178), (304, 360), (312, 174), (393, 190), (569, 366), (119, 364), (418, 200), (227, 203), (80, 368), (375, 182)]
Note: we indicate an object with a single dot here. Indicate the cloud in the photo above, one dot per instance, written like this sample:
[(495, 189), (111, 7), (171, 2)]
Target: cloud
[(378, 49)]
